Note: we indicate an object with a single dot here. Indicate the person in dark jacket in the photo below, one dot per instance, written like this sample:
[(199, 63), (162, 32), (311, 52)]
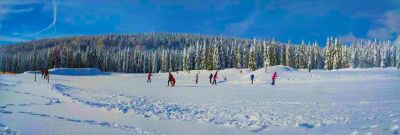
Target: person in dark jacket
[(170, 78), (211, 76), (252, 78), (273, 78), (197, 78)]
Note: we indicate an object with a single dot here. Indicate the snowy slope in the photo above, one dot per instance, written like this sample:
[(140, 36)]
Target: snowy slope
[(348, 101)]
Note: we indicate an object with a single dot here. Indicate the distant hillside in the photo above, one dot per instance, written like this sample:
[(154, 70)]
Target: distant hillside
[(139, 53)]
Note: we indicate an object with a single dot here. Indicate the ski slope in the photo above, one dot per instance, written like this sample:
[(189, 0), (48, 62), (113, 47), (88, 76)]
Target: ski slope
[(87, 101)]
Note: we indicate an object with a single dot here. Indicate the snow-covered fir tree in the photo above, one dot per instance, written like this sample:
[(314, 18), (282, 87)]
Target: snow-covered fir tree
[(397, 45), (252, 58), (164, 52), (288, 55), (266, 56)]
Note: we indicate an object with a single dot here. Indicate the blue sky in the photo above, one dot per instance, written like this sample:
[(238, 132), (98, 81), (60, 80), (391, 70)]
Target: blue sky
[(309, 20)]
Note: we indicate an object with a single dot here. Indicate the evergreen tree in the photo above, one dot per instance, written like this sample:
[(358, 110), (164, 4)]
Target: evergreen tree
[(289, 55), (198, 64), (397, 44), (252, 58), (185, 60), (311, 58), (266, 56), (236, 56)]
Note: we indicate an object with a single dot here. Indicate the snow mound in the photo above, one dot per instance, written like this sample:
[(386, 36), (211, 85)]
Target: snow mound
[(77, 71)]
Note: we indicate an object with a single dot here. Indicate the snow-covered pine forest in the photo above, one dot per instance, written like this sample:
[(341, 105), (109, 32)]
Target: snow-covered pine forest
[(163, 52)]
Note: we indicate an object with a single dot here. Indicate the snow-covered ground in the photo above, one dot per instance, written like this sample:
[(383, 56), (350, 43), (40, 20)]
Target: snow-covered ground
[(87, 101)]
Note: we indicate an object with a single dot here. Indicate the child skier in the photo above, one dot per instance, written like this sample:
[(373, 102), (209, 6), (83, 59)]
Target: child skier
[(273, 78), (252, 78), (149, 77), (215, 78), (211, 76)]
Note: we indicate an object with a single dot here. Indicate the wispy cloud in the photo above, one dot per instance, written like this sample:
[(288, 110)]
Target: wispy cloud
[(240, 28), (388, 25), (52, 24), (10, 11), (11, 39)]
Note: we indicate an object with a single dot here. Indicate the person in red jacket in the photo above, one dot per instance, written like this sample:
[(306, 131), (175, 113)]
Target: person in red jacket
[(42, 72), (215, 78), (171, 80), (149, 77), (273, 78)]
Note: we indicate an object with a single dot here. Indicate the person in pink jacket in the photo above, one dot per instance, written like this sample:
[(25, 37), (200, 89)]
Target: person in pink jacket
[(273, 78), (215, 78)]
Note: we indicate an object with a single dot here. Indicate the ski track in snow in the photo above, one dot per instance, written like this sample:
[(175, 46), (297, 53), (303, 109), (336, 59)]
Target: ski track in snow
[(233, 113), (134, 130), (4, 130)]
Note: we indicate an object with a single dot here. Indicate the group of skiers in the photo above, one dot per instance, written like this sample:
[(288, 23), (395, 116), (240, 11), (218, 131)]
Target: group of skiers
[(213, 78), (274, 76), (45, 74)]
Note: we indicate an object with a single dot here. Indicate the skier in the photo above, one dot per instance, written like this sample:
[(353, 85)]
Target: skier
[(46, 74), (215, 78), (42, 72), (149, 77), (252, 78), (197, 77), (173, 81), (170, 78), (211, 76), (273, 78)]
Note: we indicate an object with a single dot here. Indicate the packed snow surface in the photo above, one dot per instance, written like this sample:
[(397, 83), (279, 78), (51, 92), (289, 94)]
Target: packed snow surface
[(346, 101)]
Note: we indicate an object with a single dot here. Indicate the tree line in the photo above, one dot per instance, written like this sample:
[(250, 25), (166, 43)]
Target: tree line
[(163, 52)]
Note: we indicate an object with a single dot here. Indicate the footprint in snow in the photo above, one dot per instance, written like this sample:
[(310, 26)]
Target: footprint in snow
[(260, 129), (354, 133), (306, 125), (395, 127), (5, 112)]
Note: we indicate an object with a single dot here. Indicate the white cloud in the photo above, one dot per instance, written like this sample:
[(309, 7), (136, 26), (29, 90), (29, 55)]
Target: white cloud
[(388, 25), (8, 7), (350, 37)]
